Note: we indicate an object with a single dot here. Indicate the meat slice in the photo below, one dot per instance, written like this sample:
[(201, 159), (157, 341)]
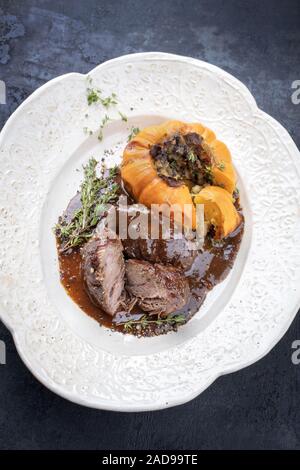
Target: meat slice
[(104, 271), (173, 251), (160, 289), (169, 248)]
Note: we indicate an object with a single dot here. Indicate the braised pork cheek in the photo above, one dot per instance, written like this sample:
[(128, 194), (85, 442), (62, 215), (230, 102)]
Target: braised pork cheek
[(104, 270), (159, 288), (171, 247)]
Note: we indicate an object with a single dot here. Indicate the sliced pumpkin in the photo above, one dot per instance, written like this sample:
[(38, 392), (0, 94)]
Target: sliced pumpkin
[(223, 171), (219, 210)]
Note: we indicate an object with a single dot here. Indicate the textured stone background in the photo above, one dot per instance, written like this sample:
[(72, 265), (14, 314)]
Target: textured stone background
[(258, 42)]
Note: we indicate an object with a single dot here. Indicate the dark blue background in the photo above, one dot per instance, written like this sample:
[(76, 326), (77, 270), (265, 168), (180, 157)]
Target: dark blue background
[(258, 42)]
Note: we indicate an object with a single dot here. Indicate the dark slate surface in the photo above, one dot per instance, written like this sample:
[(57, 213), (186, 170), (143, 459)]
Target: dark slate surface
[(258, 42)]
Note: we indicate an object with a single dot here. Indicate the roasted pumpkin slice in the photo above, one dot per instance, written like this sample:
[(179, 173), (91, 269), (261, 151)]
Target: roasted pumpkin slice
[(219, 210), (223, 171)]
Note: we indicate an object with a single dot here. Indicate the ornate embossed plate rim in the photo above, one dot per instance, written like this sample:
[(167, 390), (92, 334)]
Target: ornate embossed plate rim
[(34, 365)]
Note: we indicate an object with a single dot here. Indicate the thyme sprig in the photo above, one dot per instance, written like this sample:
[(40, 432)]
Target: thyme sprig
[(96, 193), (144, 321), (104, 121)]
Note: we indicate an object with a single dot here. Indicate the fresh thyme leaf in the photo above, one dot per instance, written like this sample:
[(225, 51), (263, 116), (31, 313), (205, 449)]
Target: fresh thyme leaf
[(103, 123), (208, 174), (191, 156), (145, 321), (123, 116), (113, 171), (127, 326), (96, 193), (86, 130), (179, 318), (109, 100), (94, 95), (221, 166), (133, 132)]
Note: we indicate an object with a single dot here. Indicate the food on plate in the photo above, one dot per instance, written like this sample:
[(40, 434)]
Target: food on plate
[(103, 269), (219, 210), (170, 162), (159, 289), (129, 277), (165, 249)]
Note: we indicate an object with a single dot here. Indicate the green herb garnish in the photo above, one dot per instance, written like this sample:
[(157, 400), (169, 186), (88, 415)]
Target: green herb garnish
[(133, 132), (104, 120), (123, 116), (93, 204), (103, 123), (145, 321), (94, 95), (86, 130), (208, 174), (109, 100), (221, 166), (192, 157), (113, 171)]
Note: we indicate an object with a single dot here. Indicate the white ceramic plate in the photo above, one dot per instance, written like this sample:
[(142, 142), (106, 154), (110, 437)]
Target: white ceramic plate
[(43, 144)]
